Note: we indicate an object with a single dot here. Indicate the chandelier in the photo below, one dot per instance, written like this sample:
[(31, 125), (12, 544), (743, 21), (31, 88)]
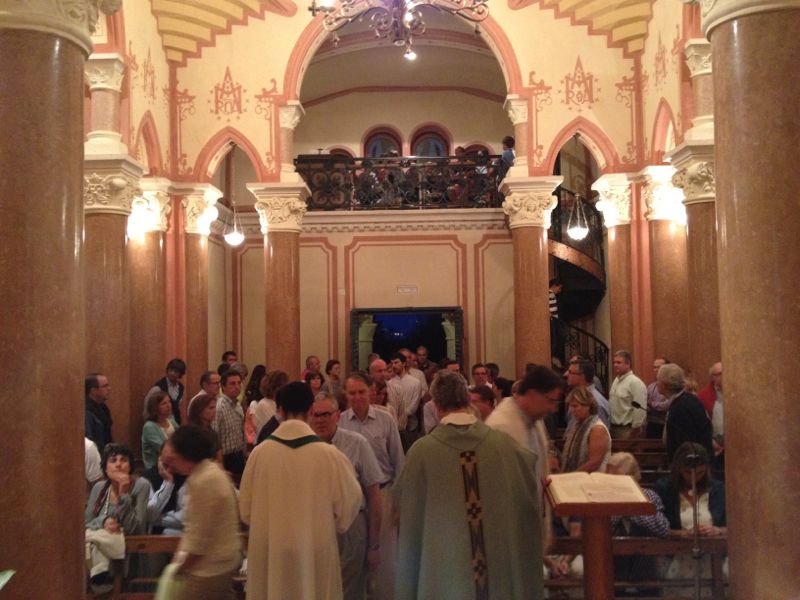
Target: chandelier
[(577, 226), (395, 20)]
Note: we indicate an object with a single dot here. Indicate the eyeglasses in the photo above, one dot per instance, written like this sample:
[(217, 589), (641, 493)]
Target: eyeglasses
[(324, 415)]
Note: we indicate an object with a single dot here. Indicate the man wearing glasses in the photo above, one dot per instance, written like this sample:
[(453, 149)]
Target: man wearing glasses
[(359, 547), (98, 415)]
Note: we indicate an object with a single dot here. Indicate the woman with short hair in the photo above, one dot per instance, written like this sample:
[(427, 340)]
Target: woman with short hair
[(587, 442), (159, 426)]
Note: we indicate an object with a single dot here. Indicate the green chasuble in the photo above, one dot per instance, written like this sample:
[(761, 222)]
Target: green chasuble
[(468, 505)]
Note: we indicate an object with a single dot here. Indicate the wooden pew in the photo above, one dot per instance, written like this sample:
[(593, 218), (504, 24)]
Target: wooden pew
[(716, 548)]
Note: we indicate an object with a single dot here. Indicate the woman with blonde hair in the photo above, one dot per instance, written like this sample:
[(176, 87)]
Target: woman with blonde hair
[(587, 442)]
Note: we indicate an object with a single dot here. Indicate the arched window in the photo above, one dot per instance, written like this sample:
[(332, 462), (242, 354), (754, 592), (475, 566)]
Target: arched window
[(429, 143), (382, 142)]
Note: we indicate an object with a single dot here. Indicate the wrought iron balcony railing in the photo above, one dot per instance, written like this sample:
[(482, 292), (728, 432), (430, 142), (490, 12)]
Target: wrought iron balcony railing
[(405, 182)]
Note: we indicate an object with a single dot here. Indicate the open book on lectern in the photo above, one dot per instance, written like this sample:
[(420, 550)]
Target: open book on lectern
[(594, 488)]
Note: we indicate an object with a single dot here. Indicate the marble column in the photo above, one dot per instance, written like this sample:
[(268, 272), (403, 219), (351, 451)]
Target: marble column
[(199, 204), (528, 204), (755, 45), (42, 321), (280, 209), (694, 164), (147, 225), (615, 204), (666, 218), (517, 110), (104, 74), (289, 116)]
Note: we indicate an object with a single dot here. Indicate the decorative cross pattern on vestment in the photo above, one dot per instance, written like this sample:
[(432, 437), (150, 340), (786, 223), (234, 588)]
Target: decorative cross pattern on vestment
[(472, 498)]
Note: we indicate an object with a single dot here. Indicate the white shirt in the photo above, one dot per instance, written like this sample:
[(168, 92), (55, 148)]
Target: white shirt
[(91, 461), (404, 393), (626, 390)]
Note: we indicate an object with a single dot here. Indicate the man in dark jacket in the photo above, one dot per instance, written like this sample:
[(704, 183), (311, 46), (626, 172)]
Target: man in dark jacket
[(686, 419), (171, 384), (98, 416)]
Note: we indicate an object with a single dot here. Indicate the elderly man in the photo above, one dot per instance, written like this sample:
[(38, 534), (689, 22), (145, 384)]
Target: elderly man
[(459, 539), (627, 399), (209, 384), (97, 416), (360, 546), (581, 373), (297, 493), (687, 421), (380, 429)]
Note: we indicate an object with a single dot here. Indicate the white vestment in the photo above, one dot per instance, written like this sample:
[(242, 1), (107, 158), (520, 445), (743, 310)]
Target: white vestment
[(295, 500)]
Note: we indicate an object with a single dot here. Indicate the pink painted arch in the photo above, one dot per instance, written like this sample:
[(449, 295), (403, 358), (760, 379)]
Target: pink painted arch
[(663, 124), (594, 138), (218, 146), (147, 134)]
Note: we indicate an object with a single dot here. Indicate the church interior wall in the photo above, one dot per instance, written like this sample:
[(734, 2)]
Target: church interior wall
[(147, 76), (663, 62), (218, 300), (346, 120)]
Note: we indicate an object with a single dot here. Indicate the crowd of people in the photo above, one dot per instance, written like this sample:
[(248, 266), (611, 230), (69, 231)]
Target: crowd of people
[(403, 481)]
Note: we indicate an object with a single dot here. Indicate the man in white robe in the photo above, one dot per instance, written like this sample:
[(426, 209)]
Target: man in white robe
[(296, 493)]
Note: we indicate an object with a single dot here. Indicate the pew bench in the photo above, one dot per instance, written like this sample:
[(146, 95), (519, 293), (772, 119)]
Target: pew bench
[(716, 548)]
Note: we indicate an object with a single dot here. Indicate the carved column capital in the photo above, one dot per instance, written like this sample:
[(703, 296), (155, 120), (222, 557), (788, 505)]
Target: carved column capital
[(615, 198), (697, 182), (280, 206), (529, 200), (663, 200), (517, 109), (290, 114), (698, 56), (153, 207), (199, 206), (75, 20), (105, 72), (716, 12), (109, 186)]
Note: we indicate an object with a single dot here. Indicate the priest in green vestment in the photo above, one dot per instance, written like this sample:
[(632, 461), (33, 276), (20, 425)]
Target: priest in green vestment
[(469, 509)]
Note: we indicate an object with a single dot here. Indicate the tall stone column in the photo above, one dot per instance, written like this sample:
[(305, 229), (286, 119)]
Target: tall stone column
[(199, 205), (528, 204), (289, 116), (280, 209), (42, 321), (517, 110), (615, 204), (147, 225), (755, 45), (694, 162), (666, 216), (111, 180)]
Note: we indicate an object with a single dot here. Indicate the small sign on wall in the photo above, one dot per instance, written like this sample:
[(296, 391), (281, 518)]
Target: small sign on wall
[(407, 289)]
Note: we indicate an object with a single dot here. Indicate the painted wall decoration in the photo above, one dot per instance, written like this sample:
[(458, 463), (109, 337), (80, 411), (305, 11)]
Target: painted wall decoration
[(541, 98), (227, 98), (266, 106), (580, 88), (626, 90)]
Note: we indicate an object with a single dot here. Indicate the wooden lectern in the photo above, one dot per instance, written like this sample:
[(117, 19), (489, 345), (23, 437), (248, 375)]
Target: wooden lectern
[(596, 498)]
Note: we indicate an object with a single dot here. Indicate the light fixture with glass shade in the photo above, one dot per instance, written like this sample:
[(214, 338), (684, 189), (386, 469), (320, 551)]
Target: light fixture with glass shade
[(577, 226), (235, 236)]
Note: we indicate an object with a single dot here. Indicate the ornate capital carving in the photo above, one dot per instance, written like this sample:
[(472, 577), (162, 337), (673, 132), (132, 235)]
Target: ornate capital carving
[(199, 207), (615, 198), (109, 186), (529, 200), (663, 200), (529, 209), (697, 182), (75, 20), (153, 205), (290, 114), (517, 109), (698, 56), (104, 72), (716, 12), (280, 206)]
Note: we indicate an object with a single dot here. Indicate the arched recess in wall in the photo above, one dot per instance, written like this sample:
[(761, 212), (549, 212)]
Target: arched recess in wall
[(663, 132), (591, 136), (314, 35), (431, 139), (380, 140), (147, 137), (218, 146)]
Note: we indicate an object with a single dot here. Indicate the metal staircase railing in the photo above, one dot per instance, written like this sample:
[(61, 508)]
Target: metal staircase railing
[(571, 340)]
